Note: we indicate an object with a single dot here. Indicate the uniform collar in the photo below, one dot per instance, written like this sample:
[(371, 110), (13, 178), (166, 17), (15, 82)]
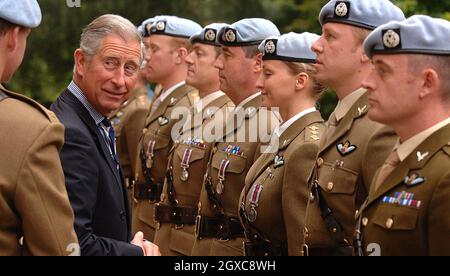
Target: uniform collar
[(249, 99), (346, 104), (406, 148), (169, 91), (204, 102), (283, 127)]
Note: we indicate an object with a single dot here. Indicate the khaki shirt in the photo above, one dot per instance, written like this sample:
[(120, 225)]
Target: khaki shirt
[(128, 122), (178, 240), (283, 176), (244, 129), (408, 213), (36, 217), (158, 129), (346, 165)]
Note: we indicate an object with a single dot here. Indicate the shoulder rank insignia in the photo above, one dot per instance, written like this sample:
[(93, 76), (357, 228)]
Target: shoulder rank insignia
[(414, 180), (279, 161), (421, 157), (162, 121), (346, 148)]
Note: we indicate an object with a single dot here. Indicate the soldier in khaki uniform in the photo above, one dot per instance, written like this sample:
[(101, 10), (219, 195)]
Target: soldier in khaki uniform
[(218, 229), (189, 157), (407, 209), (128, 122), (168, 47), (35, 213), (353, 146), (274, 199)]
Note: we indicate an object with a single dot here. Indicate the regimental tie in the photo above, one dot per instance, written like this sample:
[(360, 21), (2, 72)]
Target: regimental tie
[(332, 124), (110, 139), (391, 163)]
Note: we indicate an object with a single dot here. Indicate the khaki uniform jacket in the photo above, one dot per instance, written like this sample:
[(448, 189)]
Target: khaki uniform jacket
[(245, 128), (419, 224), (128, 122), (33, 201), (178, 240), (345, 173), (282, 202), (158, 128)]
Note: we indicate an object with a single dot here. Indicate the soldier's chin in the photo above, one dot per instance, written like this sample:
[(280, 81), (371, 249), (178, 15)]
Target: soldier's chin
[(375, 115)]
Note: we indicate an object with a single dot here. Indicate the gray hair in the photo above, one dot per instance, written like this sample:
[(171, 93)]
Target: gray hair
[(105, 25)]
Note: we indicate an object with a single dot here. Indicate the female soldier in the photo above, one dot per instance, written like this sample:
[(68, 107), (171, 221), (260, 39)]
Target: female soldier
[(274, 199)]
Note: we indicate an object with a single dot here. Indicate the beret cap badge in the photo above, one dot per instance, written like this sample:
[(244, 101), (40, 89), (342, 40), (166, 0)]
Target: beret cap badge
[(341, 9), (230, 36), (391, 39), (210, 35), (160, 26), (270, 47)]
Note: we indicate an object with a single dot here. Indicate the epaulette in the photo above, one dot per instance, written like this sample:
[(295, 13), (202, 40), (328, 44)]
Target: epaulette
[(313, 133), (50, 115)]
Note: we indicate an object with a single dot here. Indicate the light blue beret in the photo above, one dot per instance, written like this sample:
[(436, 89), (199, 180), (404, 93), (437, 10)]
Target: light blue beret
[(175, 26), (209, 34), (247, 32), (290, 47), (146, 26), (418, 34), (26, 13), (367, 14)]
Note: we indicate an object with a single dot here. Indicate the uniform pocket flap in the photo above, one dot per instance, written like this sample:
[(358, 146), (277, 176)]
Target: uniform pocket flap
[(237, 163), (161, 142), (337, 180), (396, 217), (197, 153)]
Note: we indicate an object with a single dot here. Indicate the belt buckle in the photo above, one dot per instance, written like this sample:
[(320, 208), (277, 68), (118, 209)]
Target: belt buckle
[(305, 250), (197, 226)]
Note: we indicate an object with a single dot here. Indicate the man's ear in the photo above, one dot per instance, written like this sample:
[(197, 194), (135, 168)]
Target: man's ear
[(258, 67), (365, 58), (430, 83), (80, 62), (182, 53), (13, 38)]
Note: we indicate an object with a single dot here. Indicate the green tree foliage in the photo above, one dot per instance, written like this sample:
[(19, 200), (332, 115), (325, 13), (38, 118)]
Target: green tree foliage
[(48, 63)]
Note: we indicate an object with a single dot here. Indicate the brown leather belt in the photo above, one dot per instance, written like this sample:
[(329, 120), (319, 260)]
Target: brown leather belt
[(224, 228), (264, 248), (178, 215), (145, 191), (337, 251)]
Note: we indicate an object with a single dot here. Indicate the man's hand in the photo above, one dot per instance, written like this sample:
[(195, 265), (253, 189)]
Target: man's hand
[(148, 248)]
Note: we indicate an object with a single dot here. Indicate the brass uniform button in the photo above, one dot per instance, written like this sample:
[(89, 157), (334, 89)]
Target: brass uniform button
[(389, 223), (330, 186), (365, 222), (320, 162)]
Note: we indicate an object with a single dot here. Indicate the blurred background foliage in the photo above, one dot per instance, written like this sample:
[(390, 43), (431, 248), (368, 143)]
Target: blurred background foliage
[(48, 64)]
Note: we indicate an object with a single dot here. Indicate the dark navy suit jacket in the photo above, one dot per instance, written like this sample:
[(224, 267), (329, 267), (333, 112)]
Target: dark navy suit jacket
[(94, 185)]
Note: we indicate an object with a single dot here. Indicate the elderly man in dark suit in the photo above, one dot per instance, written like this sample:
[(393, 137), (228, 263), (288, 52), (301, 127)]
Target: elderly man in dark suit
[(106, 70)]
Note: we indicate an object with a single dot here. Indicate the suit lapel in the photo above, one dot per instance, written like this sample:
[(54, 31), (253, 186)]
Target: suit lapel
[(95, 131), (431, 146), (358, 110)]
